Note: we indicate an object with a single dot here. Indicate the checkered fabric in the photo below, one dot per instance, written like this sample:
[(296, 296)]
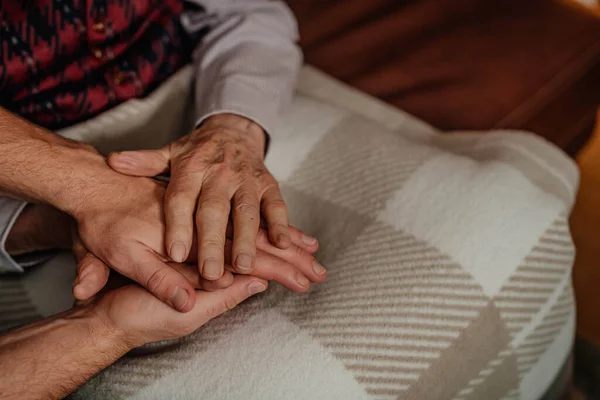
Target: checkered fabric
[(448, 259)]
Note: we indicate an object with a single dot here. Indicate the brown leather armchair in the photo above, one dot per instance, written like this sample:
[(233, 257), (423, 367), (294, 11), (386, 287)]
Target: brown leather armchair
[(465, 64)]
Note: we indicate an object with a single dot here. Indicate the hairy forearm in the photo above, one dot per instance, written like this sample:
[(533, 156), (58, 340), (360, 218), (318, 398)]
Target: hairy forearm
[(50, 359), (40, 166)]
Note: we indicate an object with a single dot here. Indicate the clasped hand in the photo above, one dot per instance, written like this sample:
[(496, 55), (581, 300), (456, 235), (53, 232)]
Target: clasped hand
[(145, 229)]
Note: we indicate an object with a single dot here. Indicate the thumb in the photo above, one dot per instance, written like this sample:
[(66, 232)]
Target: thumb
[(146, 163), (92, 275)]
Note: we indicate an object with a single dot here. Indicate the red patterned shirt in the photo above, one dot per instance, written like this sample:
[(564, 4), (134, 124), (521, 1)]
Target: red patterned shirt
[(65, 61)]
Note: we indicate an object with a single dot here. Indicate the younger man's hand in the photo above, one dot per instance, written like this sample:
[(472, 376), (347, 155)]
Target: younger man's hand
[(122, 225)]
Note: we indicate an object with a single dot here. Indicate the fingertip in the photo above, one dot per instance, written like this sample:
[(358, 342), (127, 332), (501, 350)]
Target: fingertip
[(118, 160), (178, 252), (212, 269), (183, 299), (140, 162), (298, 287), (304, 240), (309, 240), (244, 263), (112, 156), (257, 286), (302, 289), (315, 247), (80, 292), (302, 280), (91, 279), (319, 270)]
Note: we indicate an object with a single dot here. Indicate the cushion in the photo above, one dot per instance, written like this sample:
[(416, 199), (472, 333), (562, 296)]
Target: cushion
[(448, 264), (466, 64)]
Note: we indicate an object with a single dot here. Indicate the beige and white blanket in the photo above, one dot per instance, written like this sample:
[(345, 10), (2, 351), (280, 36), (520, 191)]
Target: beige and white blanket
[(448, 260)]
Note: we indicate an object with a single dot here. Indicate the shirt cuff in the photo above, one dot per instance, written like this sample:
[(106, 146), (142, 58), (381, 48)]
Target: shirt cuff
[(240, 99), (9, 212)]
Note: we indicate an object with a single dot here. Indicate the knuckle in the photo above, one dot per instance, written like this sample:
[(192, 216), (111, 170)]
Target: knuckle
[(213, 204), (177, 198), (249, 175), (246, 209), (190, 162), (179, 221), (114, 253), (299, 252), (177, 218), (213, 241), (267, 180), (220, 137), (277, 207), (260, 173), (247, 187), (214, 310), (180, 227), (232, 151), (229, 303), (156, 281), (182, 180), (220, 173)]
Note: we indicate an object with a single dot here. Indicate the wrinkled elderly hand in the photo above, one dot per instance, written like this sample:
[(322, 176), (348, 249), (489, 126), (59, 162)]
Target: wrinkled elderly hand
[(215, 170)]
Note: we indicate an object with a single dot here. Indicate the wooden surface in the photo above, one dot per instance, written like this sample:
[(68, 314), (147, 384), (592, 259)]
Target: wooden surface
[(585, 225)]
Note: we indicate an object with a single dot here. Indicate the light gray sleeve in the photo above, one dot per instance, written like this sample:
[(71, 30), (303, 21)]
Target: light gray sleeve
[(9, 211), (248, 62)]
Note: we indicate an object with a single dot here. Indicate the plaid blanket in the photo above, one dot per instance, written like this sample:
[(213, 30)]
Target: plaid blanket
[(448, 259)]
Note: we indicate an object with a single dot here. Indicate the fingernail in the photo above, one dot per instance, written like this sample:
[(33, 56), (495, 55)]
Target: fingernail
[(309, 240), (178, 252), (211, 269), (243, 263), (179, 298), (318, 268), (301, 280), (256, 287), (125, 159)]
